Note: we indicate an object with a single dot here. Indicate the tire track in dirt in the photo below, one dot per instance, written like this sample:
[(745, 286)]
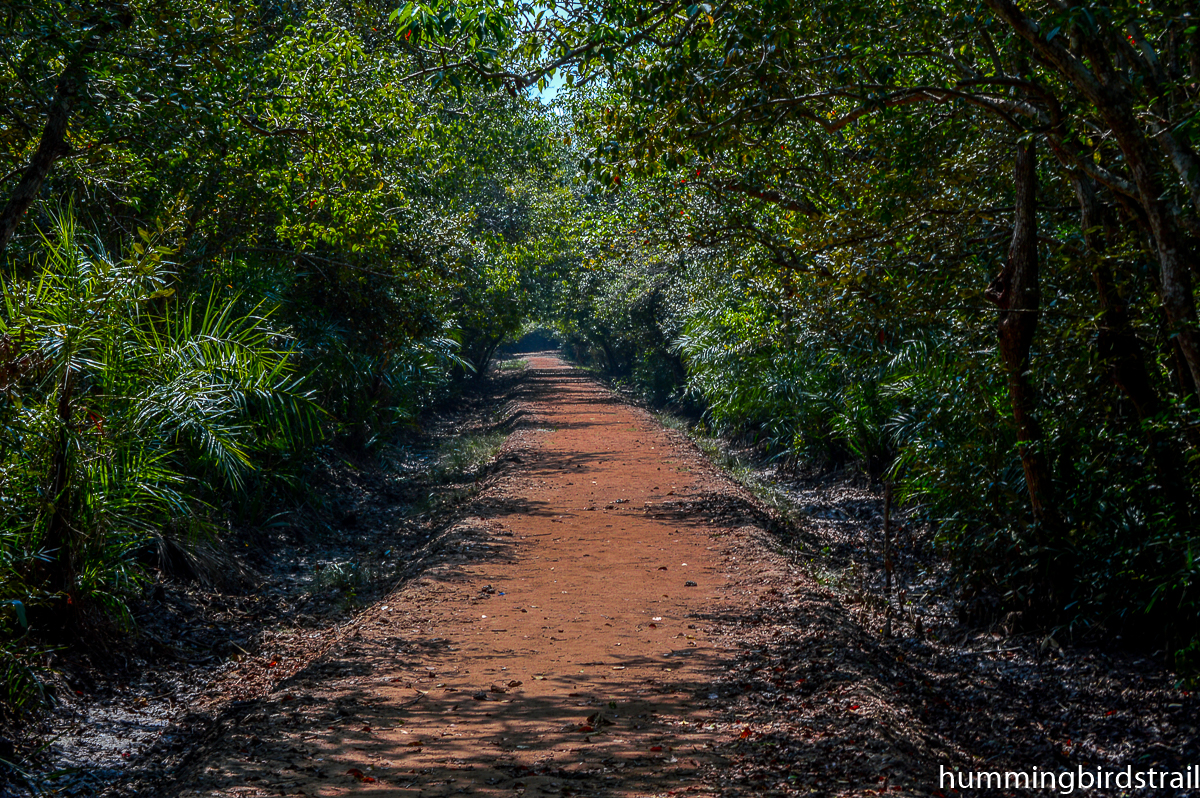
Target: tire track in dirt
[(558, 646)]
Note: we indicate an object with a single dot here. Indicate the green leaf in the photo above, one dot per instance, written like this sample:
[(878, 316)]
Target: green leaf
[(400, 15), (19, 607)]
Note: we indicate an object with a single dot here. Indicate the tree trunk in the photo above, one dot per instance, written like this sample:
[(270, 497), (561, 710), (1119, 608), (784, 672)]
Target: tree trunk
[(52, 146), (1016, 292), (1121, 352), (1120, 349), (1175, 280), (59, 540)]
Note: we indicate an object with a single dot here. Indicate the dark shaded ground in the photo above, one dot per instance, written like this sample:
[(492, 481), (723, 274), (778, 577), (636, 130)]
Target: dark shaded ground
[(833, 705)]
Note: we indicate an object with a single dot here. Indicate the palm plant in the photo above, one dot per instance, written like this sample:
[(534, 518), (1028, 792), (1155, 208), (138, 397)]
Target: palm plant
[(121, 403)]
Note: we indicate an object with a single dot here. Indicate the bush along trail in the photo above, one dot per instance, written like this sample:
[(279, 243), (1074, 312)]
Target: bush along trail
[(610, 615)]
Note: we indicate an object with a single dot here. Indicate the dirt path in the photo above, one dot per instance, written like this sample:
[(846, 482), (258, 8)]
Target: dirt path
[(560, 646)]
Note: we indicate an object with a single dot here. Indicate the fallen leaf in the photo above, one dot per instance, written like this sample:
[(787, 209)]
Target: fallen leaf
[(360, 776), (745, 735)]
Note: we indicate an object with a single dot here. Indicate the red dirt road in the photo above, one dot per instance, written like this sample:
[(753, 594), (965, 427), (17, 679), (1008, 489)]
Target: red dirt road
[(559, 644)]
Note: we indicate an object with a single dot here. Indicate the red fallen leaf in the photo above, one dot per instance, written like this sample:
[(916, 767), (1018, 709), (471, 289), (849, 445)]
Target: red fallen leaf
[(656, 748), (801, 681), (653, 626), (662, 567), (272, 663), (360, 776), (745, 733), (587, 727), (1111, 712), (852, 707)]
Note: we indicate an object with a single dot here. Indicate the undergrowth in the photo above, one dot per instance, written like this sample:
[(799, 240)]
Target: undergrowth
[(126, 411)]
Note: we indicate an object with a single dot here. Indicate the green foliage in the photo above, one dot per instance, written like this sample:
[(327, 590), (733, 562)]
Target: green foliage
[(463, 455), (125, 407)]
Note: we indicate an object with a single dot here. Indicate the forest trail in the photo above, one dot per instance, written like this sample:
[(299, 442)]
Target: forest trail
[(562, 643)]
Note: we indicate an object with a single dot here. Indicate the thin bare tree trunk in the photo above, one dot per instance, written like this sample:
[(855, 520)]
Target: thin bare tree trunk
[(52, 146), (1016, 292)]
